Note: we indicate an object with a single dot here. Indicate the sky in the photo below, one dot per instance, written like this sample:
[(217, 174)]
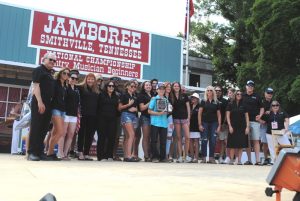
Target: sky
[(165, 17)]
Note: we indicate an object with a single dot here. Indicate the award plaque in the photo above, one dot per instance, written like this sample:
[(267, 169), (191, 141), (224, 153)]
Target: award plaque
[(162, 105)]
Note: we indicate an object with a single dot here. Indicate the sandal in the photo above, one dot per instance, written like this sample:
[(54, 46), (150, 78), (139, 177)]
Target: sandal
[(117, 159), (258, 163), (248, 163)]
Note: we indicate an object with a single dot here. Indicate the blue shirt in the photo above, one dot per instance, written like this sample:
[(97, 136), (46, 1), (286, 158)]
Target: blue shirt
[(158, 120)]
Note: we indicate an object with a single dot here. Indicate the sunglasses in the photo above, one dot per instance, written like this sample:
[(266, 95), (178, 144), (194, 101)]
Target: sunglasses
[(132, 86), (269, 92), (65, 73), (218, 90), (74, 78), (110, 85), (275, 105), (52, 60), (239, 94)]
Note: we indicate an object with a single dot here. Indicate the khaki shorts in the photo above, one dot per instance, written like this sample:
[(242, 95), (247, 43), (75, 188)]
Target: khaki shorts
[(224, 132), (254, 130)]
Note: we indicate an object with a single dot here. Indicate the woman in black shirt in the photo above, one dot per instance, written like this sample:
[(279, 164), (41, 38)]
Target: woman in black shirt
[(72, 109), (209, 118), (107, 112), (194, 128), (181, 118), (238, 125), (144, 100), (58, 111), (128, 106), (88, 102), (276, 120)]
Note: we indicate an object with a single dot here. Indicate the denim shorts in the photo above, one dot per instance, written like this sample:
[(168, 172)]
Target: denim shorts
[(181, 121), (145, 121), (56, 112), (127, 117)]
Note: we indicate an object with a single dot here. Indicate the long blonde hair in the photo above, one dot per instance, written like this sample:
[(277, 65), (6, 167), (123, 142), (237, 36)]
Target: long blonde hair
[(95, 87), (213, 91)]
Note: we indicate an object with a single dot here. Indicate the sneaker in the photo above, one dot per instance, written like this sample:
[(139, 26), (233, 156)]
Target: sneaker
[(103, 160), (110, 159), (221, 161), (53, 157), (155, 160), (203, 160), (188, 159), (164, 161), (195, 160), (148, 159), (212, 161), (179, 160), (171, 160), (267, 161)]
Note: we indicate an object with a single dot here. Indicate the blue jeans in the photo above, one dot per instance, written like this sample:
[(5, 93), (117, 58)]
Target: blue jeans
[(209, 134)]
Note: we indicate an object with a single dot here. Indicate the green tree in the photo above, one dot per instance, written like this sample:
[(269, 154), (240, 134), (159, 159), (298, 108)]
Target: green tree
[(261, 42)]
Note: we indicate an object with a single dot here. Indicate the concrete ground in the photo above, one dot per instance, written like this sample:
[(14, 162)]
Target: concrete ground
[(22, 180)]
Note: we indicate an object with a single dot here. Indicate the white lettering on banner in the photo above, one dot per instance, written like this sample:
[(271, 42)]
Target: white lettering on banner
[(94, 64), (66, 42), (126, 38)]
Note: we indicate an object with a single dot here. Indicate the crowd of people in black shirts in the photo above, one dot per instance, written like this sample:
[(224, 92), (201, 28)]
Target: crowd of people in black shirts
[(171, 123)]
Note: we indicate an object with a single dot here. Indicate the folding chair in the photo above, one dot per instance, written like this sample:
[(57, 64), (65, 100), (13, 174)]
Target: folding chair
[(278, 147)]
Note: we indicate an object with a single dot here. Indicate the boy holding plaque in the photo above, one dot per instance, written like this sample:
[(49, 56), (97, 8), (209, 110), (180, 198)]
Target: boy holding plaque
[(158, 109)]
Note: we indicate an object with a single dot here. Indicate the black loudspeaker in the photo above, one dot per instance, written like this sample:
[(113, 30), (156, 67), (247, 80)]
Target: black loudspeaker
[(48, 197), (285, 173)]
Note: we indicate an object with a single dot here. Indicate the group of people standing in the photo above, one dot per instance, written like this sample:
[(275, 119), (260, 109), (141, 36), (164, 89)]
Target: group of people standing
[(170, 122)]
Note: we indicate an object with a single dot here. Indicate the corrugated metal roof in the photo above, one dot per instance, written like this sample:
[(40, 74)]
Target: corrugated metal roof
[(14, 23)]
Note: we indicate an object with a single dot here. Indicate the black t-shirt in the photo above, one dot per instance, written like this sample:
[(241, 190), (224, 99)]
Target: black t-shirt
[(237, 114), (72, 101), (209, 113), (125, 100), (272, 117), (43, 76), (58, 101), (144, 98), (194, 127), (253, 103), (223, 104), (266, 104), (108, 105), (180, 108), (88, 101)]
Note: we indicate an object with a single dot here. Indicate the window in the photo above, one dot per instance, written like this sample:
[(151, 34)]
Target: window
[(194, 80), (9, 97)]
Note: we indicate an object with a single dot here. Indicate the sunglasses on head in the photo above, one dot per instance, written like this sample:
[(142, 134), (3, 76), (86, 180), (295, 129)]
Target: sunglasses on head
[(111, 85), (275, 105), (52, 60), (65, 73)]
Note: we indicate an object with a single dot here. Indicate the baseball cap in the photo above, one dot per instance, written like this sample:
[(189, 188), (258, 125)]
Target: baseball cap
[(269, 90), (160, 85), (195, 95), (250, 83), (74, 71)]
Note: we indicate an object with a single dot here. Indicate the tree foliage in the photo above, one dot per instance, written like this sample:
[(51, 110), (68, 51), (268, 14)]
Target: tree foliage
[(261, 41)]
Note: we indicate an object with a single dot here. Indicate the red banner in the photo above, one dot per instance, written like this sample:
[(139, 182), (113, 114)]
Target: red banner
[(94, 64), (98, 39)]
